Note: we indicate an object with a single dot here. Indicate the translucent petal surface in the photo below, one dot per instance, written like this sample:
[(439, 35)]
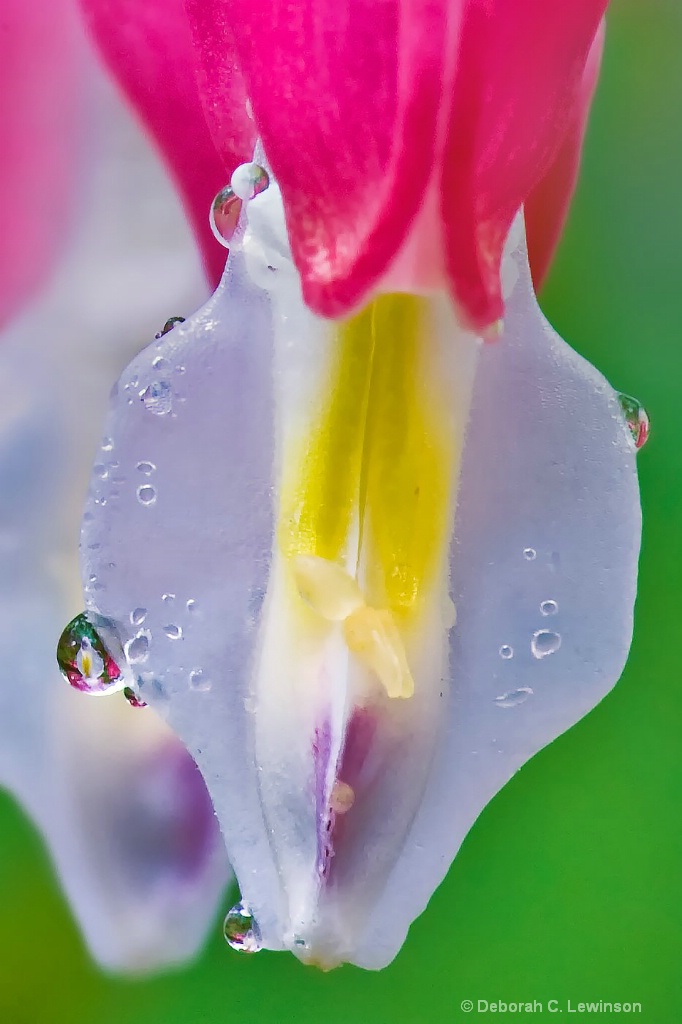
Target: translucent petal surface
[(123, 810), (549, 470)]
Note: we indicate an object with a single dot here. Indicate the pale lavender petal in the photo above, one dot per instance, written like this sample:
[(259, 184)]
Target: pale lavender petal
[(549, 470)]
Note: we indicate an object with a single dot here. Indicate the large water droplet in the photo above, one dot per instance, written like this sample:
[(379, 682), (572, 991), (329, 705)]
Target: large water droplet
[(506, 652), (133, 698), (636, 418), (84, 661), (545, 642), (146, 494), (172, 631), (169, 325), (157, 397), (240, 929), (549, 608), (249, 180), (514, 697), (224, 215), (137, 649), (146, 467), (138, 615)]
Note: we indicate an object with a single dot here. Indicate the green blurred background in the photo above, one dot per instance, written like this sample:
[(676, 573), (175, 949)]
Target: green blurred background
[(569, 886)]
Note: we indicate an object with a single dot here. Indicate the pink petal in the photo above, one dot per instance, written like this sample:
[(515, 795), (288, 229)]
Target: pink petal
[(518, 77), (41, 81), (346, 96), (547, 205), (148, 48)]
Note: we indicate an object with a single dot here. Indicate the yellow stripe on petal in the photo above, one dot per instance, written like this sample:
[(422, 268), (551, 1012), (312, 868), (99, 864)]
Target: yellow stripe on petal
[(369, 486)]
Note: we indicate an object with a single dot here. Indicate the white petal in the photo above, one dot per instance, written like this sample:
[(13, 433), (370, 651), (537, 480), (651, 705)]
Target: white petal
[(548, 465)]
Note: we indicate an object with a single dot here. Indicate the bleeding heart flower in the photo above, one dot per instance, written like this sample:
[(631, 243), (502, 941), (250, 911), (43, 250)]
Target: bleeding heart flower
[(124, 811), (373, 625)]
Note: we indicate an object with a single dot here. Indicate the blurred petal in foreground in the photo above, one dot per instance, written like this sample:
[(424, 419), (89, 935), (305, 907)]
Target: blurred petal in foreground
[(123, 809)]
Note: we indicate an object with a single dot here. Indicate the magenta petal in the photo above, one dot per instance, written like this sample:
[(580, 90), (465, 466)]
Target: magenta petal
[(41, 81), (518, 75), (547, 206), (346, 97), (148, 48)]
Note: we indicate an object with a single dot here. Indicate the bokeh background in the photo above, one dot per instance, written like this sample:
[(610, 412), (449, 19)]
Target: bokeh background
[(570, 884)]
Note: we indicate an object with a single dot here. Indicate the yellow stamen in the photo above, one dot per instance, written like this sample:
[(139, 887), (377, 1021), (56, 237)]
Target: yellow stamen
[(372, 635), (326, 587)]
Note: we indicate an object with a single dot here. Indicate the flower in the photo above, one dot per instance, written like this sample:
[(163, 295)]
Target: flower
[(403, 561), (123, 810)]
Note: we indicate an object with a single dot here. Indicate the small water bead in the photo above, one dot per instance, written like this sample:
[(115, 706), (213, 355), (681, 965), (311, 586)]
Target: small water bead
[(240, 929), (169, 325), (137, 649), (146, 494), (138, 615), (506, 652), (191, 605), (101, 471), (198, 680), (107, 445), (161, 364), (249, 180), (224, 215), (157, 397), (514, 697), (636, 418), (133, 698), (167, 598), (84, 661), (530, 554), (146, 467), (549, 608), (172, 631), (545, 642)]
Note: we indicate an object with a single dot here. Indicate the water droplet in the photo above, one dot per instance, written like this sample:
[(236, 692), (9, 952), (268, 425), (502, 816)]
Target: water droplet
[(529, 554), (636, 418), (146, 467), (549, 608), (133, 698), (107, 445), (224, 215), (249, 180), (137, 649), (506, 652), (169, 325), (161, 364), (198, 680), (157, 397), (545, 642), (84, 661), (172, 631), (146, 494), (191, 605), (240, 929), (138, 615), (101, 471), (514, 697), (180, 368)]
